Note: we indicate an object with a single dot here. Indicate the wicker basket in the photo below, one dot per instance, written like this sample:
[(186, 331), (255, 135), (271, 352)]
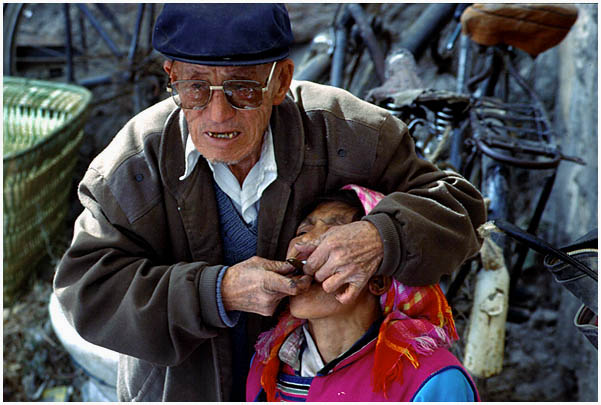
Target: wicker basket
[(43, 128)]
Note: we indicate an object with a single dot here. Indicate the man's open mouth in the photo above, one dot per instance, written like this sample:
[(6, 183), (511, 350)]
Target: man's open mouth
[(223, 135)]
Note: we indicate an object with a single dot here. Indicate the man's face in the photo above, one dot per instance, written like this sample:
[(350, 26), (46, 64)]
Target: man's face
[(316, 303), (220, 132)]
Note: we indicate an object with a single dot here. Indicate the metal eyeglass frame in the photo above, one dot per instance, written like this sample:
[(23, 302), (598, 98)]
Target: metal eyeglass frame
[(211, 88)]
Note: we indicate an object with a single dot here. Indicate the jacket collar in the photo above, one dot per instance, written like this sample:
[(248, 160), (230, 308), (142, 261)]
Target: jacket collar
[(172, 162), (288, 139)]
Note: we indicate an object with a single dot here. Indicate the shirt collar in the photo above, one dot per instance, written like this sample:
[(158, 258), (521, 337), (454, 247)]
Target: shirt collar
[(299, 344), (262, 174)]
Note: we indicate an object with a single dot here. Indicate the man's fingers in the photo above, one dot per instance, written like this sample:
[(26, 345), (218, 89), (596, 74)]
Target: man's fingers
[(349, 295), (303, 283), (315, 262), (333, 282), (278, 267), (340, 280), (287, 285), (306, 248), (302, 251)]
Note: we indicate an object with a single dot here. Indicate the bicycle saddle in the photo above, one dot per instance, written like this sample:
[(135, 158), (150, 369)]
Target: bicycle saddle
[(533, 28)]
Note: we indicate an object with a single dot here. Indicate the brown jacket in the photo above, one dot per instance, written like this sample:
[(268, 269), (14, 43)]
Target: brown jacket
[(140, 275)]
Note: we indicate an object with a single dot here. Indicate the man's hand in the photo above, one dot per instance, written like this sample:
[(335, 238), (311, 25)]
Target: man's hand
[(346, 254), (257, 285)]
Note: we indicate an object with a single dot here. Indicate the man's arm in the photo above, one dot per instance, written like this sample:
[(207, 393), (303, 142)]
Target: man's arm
[(117, 294), (426, 225), (434, 213)]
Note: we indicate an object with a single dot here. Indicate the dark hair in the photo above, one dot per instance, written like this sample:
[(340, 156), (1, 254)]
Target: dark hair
[(345, 196)]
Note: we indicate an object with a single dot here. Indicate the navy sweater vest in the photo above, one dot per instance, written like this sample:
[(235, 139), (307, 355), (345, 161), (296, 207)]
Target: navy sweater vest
[(239, 238), (239, 243)]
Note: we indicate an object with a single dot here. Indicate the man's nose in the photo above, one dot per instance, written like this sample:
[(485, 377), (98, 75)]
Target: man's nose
[(219, 109)]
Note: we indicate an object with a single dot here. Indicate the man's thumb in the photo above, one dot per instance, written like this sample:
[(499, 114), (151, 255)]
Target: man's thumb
[(279, 267), (287, 286)]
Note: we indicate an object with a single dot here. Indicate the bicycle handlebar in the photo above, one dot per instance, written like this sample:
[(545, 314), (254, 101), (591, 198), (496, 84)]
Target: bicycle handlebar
[(541, 246)]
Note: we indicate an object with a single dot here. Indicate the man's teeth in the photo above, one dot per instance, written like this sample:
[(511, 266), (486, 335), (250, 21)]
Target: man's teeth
[(222, 135)]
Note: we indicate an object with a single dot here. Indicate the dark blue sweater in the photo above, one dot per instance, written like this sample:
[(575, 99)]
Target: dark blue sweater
[(239, 243)]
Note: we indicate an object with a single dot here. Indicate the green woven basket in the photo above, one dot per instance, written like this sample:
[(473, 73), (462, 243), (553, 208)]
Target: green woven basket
[(43, 128)]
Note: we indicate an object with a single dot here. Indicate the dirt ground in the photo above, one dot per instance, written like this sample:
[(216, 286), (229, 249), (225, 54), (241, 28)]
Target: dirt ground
[(36, 367)]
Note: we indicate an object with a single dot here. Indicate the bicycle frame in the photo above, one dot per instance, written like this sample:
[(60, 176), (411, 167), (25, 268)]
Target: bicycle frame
[(105, 79), (331, 50), (126, 59), (354, 14)]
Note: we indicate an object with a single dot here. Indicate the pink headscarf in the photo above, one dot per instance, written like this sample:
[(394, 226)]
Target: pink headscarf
[(369, 198)]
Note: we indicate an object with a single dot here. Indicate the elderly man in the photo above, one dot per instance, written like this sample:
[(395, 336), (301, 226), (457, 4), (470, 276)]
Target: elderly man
[(189, 211)]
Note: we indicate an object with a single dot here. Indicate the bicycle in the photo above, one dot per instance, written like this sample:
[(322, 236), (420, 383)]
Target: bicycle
[(574, 266), (489, 140), (337, 56), (120, 58)]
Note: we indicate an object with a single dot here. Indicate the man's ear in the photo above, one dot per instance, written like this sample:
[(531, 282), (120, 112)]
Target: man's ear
[(167, 66), (379, 285), (285, 72)]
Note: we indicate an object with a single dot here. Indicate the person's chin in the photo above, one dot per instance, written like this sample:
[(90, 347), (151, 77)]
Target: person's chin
[(223, 161), (307, 305), (297, 304)]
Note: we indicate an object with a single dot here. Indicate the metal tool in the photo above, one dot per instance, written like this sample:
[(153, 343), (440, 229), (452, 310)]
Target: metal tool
[(298, 265)]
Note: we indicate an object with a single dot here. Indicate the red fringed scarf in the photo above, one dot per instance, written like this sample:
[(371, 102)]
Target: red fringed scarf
[(418, 320)]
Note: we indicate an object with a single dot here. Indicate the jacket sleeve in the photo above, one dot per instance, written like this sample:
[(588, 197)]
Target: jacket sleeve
[(428, 219), (118, 295)]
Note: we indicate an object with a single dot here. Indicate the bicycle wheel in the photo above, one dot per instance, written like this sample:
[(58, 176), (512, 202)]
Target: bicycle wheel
[(122, 84), (34, 48), (87, 44)]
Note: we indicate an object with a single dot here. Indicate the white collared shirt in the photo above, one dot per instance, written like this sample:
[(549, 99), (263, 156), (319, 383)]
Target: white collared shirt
[(311, 361), (245, 198)]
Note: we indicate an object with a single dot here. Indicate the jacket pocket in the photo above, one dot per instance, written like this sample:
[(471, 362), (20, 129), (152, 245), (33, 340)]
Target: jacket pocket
[(139, 380), (152, 387)]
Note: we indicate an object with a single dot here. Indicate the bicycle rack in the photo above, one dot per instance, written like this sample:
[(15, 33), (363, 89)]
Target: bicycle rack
[(520, 129)]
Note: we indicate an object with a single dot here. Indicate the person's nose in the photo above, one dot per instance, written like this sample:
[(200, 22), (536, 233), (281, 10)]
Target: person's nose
[(309, 238), (219, 109)]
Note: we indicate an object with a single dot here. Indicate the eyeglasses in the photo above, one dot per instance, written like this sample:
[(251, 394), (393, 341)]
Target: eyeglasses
[(240, 94)]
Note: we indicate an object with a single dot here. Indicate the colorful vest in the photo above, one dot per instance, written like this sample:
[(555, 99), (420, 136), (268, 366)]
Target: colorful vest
[(350, 380)]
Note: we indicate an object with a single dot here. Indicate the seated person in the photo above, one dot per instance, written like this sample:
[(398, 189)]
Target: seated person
[(388, 345)]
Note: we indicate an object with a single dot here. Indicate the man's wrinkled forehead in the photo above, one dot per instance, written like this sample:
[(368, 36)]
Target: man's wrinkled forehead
[(191, 69)]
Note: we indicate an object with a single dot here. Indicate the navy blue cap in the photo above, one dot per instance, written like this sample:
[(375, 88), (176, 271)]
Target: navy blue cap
[(223, 34)]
